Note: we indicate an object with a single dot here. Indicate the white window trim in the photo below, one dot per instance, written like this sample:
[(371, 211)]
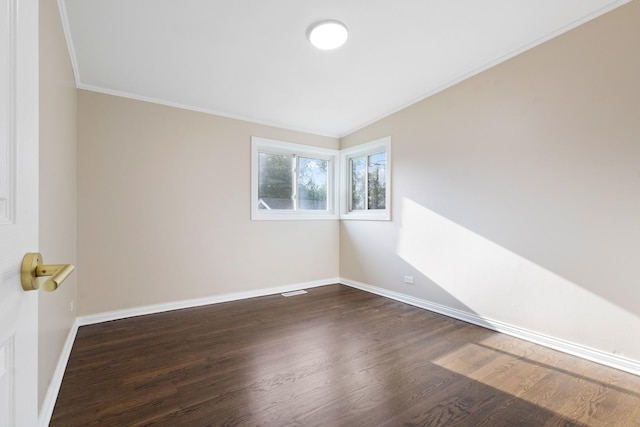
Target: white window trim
[(373, 147), (279, 147)]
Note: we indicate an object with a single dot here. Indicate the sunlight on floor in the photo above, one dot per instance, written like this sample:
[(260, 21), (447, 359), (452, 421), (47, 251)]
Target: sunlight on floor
[(540, 375)]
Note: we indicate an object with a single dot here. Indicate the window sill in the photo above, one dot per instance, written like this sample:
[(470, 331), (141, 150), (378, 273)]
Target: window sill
[(381, 216), (292, 217)]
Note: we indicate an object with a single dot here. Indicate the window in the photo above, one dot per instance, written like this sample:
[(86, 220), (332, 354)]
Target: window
[(292, 181), (365, 182)]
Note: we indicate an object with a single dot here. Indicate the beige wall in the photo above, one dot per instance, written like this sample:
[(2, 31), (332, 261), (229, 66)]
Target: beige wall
[(164, 209), (57, 188), (516, 193)]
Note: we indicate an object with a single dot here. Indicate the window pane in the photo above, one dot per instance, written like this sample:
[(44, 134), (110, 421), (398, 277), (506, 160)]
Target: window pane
[(358, 183), (377, 180), (275, 181), (312, 183)]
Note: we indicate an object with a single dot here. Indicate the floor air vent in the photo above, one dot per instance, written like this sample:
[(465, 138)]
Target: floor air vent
[(293, 293)]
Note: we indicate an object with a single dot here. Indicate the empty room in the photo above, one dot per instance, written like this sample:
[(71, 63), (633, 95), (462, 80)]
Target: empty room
[(363, 213)]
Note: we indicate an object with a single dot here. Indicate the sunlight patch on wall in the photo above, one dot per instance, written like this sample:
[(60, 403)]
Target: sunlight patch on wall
[(498, 284)]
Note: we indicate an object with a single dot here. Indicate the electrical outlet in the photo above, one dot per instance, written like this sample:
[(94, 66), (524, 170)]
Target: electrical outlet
[(408, 280), (71, 306)]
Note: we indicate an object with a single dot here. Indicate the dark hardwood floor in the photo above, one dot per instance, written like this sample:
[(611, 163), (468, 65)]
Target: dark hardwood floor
[(336, 356)]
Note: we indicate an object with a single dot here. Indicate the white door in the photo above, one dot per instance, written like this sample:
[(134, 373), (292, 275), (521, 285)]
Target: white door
[(18, 210)]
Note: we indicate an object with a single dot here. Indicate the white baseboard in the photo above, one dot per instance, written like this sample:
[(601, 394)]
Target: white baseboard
[(607, 359), (603, 358), (177, 305), (46, 411)]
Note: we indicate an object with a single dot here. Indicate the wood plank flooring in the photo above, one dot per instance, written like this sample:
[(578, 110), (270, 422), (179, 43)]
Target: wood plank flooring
[(335, 356)]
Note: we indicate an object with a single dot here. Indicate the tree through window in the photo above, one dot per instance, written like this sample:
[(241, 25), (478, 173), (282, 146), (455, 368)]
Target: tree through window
[(291, 180), (366, 181)]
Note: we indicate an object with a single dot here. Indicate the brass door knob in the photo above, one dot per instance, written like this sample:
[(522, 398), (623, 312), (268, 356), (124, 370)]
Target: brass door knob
[(32, 268)]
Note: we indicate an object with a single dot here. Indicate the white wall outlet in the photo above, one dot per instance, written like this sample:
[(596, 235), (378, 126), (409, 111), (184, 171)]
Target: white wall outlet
[(408, 280), (71, 306)]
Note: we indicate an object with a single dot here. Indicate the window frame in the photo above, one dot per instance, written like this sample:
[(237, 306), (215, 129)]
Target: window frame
[(270, 146), (346, 156)]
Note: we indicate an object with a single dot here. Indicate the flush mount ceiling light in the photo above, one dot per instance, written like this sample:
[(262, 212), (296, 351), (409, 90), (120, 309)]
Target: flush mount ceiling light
[(328, 35)]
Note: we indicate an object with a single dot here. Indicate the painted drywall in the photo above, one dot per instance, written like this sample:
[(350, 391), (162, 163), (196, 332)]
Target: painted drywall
[(516, 193), (164, 209), (57, 189)]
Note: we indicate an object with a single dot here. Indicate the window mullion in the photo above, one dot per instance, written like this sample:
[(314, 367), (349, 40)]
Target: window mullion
[(366, 183), (294, 163), (350, 186)]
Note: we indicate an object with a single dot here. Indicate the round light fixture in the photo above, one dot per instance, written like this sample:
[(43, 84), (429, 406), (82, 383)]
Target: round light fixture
[(328, 35)]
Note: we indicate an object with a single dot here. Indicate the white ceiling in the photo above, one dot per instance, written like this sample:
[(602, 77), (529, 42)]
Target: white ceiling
[(250, 59)]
